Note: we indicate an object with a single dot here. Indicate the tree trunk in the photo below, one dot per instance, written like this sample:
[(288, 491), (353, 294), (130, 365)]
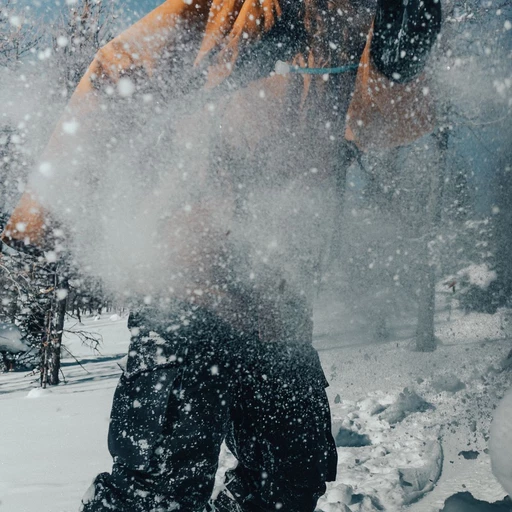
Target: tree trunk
[(45, 349), (56, 342), (425, 332), (503, 229), (52, 342), (425, 328)]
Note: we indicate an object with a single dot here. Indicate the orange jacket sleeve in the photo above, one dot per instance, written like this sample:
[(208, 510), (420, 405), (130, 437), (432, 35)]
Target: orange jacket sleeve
[(137, 51)]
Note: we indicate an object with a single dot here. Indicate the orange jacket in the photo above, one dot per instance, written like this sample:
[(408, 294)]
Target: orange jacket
[(381, 113)]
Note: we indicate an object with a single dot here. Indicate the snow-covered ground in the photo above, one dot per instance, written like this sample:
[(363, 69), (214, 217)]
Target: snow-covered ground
[(53, 442), (462, 380)]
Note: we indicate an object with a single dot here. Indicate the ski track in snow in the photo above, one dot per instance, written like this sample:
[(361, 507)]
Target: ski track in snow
[(54, 440)]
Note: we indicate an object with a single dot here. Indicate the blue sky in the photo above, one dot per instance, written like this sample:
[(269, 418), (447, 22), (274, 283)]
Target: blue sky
[(133, 9)]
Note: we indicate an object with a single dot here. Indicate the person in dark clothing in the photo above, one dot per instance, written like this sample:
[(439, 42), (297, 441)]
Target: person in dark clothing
[(229, 357), (187, 389)]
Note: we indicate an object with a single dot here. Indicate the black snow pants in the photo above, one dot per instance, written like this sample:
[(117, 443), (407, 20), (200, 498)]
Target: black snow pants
[(192, 382)]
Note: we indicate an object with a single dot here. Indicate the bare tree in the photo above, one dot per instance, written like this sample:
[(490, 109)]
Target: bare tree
[(35, 292), (79, 33), (18, 35)]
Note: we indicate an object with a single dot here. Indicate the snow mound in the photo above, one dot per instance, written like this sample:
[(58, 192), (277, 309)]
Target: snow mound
[(416, 481), (500, 443), (397, 468), (408, 402), (11, 339), (38, 392), (115, 318)]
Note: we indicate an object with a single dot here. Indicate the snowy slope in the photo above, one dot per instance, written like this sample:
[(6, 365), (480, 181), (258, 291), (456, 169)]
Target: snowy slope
[(54, 441)]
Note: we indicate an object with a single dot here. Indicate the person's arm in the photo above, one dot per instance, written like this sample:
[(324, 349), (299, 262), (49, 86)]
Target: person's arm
[(136, 53), (26, 226), (139, 47), (403, 34)]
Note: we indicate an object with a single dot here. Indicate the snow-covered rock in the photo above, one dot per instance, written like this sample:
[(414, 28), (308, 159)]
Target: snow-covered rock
[(416, 481), (346, 437), (500, 443), (408, 402)]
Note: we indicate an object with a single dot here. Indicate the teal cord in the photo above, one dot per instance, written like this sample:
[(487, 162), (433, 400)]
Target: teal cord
[(322, 71)]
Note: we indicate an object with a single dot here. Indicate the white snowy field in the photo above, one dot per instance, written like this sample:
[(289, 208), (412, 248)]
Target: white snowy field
[(53, 442)]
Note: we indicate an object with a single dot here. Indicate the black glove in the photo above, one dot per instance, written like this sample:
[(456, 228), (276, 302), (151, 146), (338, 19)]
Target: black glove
[(404, 32)]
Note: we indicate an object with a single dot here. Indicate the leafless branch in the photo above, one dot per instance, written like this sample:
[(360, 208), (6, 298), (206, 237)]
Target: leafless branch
[(90, 339), (18, 35)]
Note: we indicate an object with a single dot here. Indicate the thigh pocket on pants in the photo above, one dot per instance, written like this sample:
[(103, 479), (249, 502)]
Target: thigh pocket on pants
[(139, 416)]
